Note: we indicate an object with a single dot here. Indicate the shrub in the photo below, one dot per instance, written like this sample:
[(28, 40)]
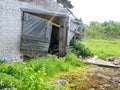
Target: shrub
[(80, 49)]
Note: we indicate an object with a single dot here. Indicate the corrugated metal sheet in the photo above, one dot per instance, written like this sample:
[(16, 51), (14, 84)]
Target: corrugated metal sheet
[(73, 26), (36, 35), (74, 29)]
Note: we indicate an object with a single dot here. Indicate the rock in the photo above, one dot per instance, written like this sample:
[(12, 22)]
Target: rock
[(107, 85), (116, 62), (111, 59), (91, 89), (80, 57), (95, 57), (61, 81)]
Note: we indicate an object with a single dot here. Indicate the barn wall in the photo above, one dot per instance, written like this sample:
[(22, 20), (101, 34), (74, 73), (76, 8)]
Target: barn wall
[(11, 24)]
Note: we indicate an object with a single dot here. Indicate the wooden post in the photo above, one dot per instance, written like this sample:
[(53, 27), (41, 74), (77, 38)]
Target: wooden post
[(63, 37)]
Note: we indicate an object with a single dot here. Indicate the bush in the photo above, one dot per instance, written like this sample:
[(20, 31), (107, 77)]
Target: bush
[(80, 49)]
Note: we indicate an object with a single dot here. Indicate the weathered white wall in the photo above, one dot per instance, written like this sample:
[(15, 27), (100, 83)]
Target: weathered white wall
[(11, 25)]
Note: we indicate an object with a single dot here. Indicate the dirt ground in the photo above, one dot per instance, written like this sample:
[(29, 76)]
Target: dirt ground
[(103, 78), (92, 78)]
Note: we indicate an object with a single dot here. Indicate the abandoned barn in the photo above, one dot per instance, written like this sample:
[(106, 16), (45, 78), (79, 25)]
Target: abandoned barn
[(34, 28)]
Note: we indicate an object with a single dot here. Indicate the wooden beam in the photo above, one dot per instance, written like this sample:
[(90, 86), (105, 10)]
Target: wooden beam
[(51, 22), (63, 37), (56, 25)]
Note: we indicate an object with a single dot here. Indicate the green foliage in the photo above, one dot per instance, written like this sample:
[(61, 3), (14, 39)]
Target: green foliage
[(106, 30), (79, 20), (10, 82), (23, 72), (2, 61), (104, 48), (72, 59), (35, 73), (79, 48)]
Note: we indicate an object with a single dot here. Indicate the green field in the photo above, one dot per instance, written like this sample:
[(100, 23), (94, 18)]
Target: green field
[(103, 48)]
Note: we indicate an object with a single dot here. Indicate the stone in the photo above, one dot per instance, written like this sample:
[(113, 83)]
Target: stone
[(116, 62), (91, 89), (111, 58), (61, 81)]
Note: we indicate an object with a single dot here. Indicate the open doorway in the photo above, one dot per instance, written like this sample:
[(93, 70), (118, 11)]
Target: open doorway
[(54, 42)]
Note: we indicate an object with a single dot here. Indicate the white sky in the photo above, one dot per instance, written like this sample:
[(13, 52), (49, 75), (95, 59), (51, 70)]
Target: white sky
[(96, 10)]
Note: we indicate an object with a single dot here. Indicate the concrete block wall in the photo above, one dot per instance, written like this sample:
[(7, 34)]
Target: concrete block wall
[(10, 30), (11, 25)]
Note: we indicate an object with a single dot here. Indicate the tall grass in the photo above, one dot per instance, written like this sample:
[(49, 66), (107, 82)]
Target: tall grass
[(104, 48)]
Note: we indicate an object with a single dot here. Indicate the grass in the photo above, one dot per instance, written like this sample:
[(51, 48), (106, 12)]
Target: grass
[(35, 73), (104, 48)]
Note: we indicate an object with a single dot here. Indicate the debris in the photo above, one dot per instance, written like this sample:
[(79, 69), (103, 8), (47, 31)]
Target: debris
[(96, 61)]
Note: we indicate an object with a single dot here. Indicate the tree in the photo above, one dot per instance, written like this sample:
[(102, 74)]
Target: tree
[(105, 30)]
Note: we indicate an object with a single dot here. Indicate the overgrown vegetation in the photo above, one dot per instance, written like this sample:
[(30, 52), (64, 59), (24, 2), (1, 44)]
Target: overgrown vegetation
[(78, 48), (106, 30), (35, 73)]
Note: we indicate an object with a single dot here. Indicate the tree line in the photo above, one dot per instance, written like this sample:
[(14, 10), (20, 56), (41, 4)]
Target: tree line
[(106, 30)]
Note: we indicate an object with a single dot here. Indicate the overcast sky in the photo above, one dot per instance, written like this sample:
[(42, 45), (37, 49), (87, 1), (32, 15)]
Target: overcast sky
[(97, 10)]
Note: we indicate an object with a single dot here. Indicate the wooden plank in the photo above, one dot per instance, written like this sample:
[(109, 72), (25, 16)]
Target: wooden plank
[(96, 61), (56, 25), (104, 65)]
